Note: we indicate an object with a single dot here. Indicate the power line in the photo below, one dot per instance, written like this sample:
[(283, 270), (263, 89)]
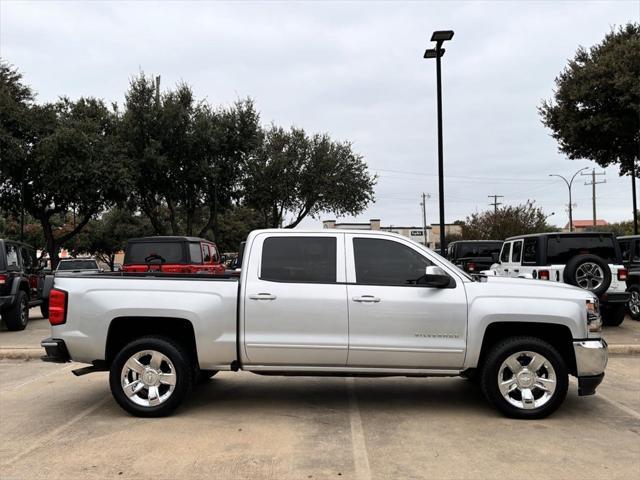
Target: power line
[(495, 202)]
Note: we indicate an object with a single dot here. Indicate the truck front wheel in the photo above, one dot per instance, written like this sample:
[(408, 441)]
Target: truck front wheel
[(150, 377), (525, 377)]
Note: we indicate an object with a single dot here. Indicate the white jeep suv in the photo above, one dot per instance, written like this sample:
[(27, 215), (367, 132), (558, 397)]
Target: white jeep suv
[(591, 261)]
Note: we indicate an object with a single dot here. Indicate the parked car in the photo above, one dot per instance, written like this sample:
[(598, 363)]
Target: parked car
[(630, 250), (337, 303), (172, 255), (473, 256), (23, 284), (78, 265), (591, 261)]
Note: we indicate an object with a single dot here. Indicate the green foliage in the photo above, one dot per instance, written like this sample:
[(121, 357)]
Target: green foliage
[(619, 228), (595, 113), (294, 175), (506, 222)]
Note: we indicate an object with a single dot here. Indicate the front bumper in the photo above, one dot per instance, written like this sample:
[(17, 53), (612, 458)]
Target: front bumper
[(56, 351), (614, 298), (591, 360)]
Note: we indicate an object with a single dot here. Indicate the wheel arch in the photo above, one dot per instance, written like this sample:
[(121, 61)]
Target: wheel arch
[(125, 329), (559, 336)]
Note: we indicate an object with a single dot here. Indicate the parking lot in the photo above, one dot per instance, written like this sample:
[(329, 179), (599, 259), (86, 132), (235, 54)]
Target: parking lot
[(54, 425)]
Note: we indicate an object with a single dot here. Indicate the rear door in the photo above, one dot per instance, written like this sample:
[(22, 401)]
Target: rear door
[(394, 322), (295, 300)]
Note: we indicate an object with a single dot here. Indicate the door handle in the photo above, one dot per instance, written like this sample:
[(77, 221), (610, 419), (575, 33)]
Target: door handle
[(516, 270), (262, 296), (366, 299)]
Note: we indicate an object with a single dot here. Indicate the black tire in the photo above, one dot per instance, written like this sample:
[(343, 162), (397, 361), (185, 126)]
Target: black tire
[(203, 375), (613, 315), (44, 308), (569, 275), (633, 307), (491, 370), (16, 317), (183, 375)]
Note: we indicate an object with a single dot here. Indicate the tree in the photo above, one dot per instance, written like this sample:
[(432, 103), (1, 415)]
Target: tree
[(59, 157), (293, 176), (506, 222), (595, 112)]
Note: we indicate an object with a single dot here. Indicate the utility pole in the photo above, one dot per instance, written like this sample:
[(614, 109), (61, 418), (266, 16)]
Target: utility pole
[(495, 202), (425, 196), (633, 191), (593, 184)]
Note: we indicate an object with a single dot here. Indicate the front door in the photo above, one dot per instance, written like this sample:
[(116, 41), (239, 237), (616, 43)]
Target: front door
[(395, 322), (295, 301)]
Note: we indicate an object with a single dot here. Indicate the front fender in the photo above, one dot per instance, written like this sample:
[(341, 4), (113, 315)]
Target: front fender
[(485, 311)]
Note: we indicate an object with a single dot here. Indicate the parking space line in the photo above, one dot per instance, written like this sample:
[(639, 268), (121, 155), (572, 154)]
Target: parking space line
[(360, 457), (39, 377), (56, 431), (622, 407)]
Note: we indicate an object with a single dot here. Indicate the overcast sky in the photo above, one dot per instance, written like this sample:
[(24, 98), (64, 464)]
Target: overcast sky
[(354, 70)]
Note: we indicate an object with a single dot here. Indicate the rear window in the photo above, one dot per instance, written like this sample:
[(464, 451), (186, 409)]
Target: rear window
[(561, 249), (299, 259), (195, 252), (530, 252), (478, 249), (155, 252), (78, 265)]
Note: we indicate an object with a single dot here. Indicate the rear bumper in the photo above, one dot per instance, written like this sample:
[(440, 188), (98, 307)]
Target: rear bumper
[(591, 361), (56, 351), (614, 298)]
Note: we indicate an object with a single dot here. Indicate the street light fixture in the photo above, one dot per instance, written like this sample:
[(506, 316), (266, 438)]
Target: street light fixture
[(439, 37), (569, 184)]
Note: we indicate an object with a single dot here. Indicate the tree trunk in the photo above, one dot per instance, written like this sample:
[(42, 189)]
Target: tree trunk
[(172, 218), (52, 245)]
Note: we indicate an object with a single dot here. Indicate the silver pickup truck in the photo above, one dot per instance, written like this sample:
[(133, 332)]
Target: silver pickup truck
[(325, 302)]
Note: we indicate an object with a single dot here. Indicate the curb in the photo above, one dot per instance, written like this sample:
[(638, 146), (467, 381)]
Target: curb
[(21, 353)]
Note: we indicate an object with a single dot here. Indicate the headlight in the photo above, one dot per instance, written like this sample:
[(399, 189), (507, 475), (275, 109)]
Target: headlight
[(594, 319)]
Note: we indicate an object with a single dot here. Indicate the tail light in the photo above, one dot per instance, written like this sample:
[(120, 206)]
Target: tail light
[(471, 267), (622, 274), (57, 307), (3, 279), (543, 274)]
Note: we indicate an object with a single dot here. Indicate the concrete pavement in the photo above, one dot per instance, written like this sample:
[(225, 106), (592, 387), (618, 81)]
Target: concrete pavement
[(57, 426)]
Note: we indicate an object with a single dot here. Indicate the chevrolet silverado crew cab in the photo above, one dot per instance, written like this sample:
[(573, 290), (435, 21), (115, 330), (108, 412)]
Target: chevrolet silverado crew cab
[(346, 303), (591, 261)]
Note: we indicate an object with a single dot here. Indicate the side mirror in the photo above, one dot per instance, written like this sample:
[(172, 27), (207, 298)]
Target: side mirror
[(436, 277)]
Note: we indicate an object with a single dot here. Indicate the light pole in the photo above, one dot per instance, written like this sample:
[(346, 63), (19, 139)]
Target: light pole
[(569, 183), (439, 37)]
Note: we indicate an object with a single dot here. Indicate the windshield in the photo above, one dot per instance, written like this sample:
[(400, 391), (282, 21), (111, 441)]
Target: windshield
[(78, 265), (478, 249)]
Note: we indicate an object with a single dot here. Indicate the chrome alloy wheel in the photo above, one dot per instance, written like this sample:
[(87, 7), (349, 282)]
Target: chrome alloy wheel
[(527, 380), (148, 378), (634, 303), (589, 276)]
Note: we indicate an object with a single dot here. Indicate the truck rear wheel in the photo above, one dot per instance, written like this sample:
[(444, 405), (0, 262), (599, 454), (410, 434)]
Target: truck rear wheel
[(16, 316), (525, 377), (150, 377)]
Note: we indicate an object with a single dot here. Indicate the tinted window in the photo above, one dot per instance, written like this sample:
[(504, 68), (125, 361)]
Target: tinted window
[(12, 256), (154, 252), (477, 249), (636, 252), (517, 252), (385, 262), (78, 265), (195, 252), (530, 251), (625, 246), (28, 258), (299, 259), (506, 251), (561, 249), (206, 256)]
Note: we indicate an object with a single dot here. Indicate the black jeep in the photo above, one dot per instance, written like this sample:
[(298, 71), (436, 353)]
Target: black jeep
[(473, 256), (630, 248), (23, 284)]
